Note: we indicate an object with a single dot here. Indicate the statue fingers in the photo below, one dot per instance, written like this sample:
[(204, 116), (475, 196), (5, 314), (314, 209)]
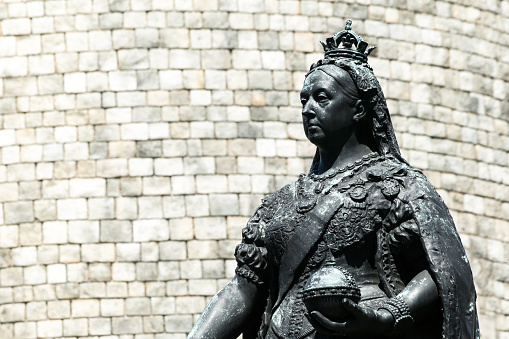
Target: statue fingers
[(353, 308), (323, 322)]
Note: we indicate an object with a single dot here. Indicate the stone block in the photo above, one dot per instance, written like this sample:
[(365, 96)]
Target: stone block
[(128, 252), (54, 152), (9, 192), (149, 251), (77, 272), (172, 250), (12, 276), (41, 64), (14, 66), (31, 153), (201, 165), (115, 231), (57, 273), (184, 59), (23, 294), (156, 186), (239, 183), (110, 168), (18, 26), (202, 249), (30, 233), (151, 230), (59, 309), (24, 256), (101, 208), (83, 308), (178, 323), (168, 270), (53, 189), (174, 206), (75, 82), (213, 269), (260, 80), (177, 287), (202, 287), (98, 252), (200, 39), (36, 310), (112, 307), (47, 292), (197, 206), (9, 236), (49, 328), (137, 306), (133, 59), (122, 80), (83, 231), (223, 204), (210, 228), (186, 305), (100, 272), (20, 86), (156, 288), (168, 167), (72, 209), (85, 188), (93, 290), (25, 330), (54, 232), (211, 184), (127, 325), (136, 289), (153, 324), (130, 186), (150, 207), (137, 131), (10, 46), (75, 327)]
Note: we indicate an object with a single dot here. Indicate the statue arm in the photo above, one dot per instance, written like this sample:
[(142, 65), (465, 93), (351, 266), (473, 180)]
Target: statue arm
[(421, 295), (227, 312)]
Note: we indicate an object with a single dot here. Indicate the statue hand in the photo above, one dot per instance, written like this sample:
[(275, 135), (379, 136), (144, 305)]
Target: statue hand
[(363, 321)]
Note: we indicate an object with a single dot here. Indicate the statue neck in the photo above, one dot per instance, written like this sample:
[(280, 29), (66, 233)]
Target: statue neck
[(340, 156)]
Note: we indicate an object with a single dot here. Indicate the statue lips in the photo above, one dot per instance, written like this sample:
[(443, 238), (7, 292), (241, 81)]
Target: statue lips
[(313, 127)]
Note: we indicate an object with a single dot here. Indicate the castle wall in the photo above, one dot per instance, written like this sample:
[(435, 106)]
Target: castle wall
[(138, 136)]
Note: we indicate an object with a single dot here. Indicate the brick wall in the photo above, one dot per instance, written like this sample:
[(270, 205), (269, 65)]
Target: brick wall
[(138, 136)]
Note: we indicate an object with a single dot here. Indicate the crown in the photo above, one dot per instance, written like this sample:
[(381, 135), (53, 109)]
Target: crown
[(340, 45)]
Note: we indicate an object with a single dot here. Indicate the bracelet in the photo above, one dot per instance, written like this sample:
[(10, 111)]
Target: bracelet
[(401, 313)]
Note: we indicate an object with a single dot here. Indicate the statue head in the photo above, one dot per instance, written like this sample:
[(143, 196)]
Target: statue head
[(345, 61)]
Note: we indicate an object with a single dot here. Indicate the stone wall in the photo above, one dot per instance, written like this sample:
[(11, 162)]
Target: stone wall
[(138, 136)]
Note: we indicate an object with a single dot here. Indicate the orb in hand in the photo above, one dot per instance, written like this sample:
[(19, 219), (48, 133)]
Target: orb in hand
[(325, 290)]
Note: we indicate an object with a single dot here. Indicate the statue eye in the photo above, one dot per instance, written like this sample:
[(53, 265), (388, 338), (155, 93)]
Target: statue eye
[(322, 96), (303, 101)]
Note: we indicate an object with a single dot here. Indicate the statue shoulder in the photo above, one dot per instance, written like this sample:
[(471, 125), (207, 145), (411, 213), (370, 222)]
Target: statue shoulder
[(279, 196)]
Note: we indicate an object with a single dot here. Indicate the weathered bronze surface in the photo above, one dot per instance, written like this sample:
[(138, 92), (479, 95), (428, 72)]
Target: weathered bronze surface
[(365, 208)]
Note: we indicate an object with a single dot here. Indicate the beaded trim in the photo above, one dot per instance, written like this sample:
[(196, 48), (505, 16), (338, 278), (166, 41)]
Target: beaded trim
[(352, 165), (245, 272), (401, 313)]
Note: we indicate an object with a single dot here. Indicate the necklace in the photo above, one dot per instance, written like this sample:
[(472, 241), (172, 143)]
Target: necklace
[(306, 200)]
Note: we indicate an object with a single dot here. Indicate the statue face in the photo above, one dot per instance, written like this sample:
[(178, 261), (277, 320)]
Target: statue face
[(327, 110)]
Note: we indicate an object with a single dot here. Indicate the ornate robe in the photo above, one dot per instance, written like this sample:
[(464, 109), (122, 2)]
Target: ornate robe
[(383, 222)]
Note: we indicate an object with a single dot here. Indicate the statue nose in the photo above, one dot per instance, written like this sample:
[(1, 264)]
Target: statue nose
[(307, 110)]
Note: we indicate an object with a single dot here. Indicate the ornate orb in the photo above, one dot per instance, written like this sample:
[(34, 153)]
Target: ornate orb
[(325, 290)]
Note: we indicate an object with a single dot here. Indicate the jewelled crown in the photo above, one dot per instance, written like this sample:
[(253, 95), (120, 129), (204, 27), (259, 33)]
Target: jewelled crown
[(341, 45)]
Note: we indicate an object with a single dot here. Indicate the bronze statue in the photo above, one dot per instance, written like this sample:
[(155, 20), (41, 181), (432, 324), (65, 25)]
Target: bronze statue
[(362, 246)]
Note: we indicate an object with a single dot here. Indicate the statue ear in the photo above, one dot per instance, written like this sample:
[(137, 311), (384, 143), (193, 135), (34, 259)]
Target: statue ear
[(360, 111)]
